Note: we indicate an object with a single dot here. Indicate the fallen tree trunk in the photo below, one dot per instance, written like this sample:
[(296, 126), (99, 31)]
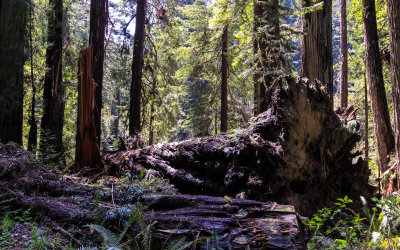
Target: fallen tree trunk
[(297, 152), (234, 223)]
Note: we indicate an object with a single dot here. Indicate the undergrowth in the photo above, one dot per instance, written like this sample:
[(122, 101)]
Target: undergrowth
[(339, 227)]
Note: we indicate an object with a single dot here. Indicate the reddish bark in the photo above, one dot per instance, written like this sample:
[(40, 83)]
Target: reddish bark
[(394, 32), (380, 111), (87, 148)]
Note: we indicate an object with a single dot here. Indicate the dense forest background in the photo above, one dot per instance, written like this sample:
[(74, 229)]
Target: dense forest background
[(181, 73)]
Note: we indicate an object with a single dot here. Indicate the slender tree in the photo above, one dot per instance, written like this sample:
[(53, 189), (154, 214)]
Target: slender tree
[(380, 113), (137, 67), (343, 54), (32, 138), (266, 37), (98, 23), (224, 82), (393, 8), (12, 29), (53, 92), (316, 47)]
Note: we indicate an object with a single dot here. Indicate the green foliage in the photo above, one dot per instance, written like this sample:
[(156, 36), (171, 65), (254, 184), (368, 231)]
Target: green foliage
[(4, 239), (24, 217), (341, 228), (39, 239), (336, 228), (48, 155), (146, 183), (6, 223)]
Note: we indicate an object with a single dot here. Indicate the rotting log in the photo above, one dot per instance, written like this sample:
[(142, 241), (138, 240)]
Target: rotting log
[(235, 223), (298, 152)]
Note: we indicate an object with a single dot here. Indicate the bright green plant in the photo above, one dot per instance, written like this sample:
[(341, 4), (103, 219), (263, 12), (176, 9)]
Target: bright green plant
[(336, 228), (24, 217), (6, 223), (39, 239)]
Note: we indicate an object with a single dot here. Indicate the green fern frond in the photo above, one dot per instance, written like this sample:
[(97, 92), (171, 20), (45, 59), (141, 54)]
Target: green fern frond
[(180, 244), (110, 239)]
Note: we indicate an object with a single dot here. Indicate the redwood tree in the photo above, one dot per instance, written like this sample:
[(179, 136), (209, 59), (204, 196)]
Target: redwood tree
[(343, 54), (394, 36), (98, 23), (224, 82), (137, 67), (12, 28), (266, 37), (316, 47), (380, 113), (53, 92), (87, 154)]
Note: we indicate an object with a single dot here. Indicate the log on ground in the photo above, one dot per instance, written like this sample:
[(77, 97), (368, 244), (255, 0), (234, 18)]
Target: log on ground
[(235, 223), (298, 152)]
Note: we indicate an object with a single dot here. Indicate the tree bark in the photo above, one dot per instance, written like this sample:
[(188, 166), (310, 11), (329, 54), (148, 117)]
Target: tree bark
[(137, 66), (32, 138), (343, 54), (316, 46), (380, 113), (393, 8), (87, 148), (12, 30), (224, 81), (98, 24), (53, 92), (266, 49), (297, 152)]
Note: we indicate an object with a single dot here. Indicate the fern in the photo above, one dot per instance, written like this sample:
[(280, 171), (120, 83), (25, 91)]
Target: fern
[(110, 239), (180, 244)]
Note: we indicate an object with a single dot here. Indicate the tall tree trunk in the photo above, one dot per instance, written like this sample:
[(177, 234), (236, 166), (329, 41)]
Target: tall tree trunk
[(366, 144), (12, 29), (266, 37), (137, 66), (343, 54), (380, 113), (152, 107), (98, 23), (32, 138), (316, 47), (224, 82), (53, 93), (393, 8), (87, 149), (115, 113)]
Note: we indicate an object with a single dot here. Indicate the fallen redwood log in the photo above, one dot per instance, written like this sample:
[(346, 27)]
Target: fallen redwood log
[(230, 223), (297, 152)]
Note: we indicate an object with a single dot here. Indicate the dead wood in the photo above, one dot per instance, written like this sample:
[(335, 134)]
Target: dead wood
[(87, 146), (298, 152), (234, 223)]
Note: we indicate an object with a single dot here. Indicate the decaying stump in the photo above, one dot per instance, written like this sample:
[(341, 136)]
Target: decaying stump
[(297, 152), (87, 147), (238, 223)]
